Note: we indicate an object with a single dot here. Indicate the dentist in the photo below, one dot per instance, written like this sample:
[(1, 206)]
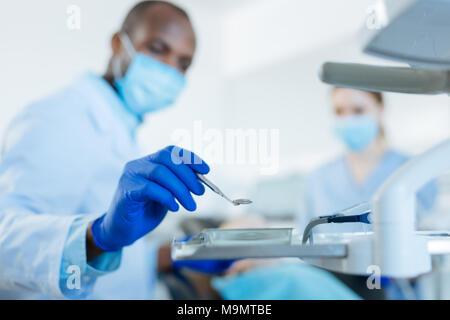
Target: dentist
[(63, 156)]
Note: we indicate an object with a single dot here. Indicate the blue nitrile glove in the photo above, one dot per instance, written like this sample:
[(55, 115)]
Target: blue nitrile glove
[(210, 267), (147, 190)]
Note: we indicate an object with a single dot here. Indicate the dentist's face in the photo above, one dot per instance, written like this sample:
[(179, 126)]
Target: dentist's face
[(163, 34), (350, 102)]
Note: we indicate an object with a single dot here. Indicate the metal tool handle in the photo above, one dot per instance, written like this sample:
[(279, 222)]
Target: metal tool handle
[(213, 187), (209, 184)]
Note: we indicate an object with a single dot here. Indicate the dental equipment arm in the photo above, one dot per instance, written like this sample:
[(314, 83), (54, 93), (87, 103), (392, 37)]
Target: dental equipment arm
[(380, 79), (397, 250)]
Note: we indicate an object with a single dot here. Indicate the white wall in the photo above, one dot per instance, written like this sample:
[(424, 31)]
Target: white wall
[(39, 53), (266, 31)]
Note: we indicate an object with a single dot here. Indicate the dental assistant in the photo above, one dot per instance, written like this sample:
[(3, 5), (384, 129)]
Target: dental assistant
[(63, 157), (354, 177)]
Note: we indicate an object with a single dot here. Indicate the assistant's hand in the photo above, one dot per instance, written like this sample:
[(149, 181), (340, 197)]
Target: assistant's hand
[(147, 190), (210, 267)]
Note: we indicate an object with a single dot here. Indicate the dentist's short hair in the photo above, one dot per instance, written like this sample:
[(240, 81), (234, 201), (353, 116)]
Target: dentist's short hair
[(134, 16)]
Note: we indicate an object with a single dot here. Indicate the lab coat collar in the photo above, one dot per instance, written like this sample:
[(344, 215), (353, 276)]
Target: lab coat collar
[(109, 114), (100, 89)]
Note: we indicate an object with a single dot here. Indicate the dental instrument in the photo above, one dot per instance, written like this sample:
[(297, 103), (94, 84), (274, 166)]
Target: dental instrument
[(215, 189)]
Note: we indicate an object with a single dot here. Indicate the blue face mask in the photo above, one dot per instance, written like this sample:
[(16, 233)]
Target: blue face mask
[(357, 132), (148, 85)]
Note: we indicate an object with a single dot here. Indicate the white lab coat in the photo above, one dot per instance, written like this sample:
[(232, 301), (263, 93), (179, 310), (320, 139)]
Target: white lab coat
[(62, 158)]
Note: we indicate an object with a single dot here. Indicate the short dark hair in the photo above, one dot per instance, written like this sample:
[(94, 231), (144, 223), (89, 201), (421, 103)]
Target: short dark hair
[(135, 14)]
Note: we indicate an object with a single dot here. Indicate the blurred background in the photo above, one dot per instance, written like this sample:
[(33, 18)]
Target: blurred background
[(256, 68)]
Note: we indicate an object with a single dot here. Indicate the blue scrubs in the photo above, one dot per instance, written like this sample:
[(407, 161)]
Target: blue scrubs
[(62, 159), (332, 188)]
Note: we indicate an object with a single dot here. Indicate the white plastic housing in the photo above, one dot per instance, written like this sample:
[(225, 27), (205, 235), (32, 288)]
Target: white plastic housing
[(398, 251)]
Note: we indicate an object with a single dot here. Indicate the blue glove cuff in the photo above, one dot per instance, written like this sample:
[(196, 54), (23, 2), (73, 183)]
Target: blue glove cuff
[(209, 267), (96, 234)]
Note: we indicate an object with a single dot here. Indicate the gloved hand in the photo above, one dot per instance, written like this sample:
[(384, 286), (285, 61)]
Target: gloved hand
[(210, 267), (147, 190)]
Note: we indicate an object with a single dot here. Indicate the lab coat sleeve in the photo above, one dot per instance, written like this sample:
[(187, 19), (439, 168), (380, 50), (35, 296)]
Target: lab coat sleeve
[(77, 276), (47, 254), (42, 179), (45, 164), (30, 251)]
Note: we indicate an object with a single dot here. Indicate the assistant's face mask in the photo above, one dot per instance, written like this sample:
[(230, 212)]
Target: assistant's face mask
[(148, 85), (357, 132)]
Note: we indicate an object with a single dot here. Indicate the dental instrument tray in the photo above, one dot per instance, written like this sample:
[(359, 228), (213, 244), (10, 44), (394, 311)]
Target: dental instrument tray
[(222, 244)]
